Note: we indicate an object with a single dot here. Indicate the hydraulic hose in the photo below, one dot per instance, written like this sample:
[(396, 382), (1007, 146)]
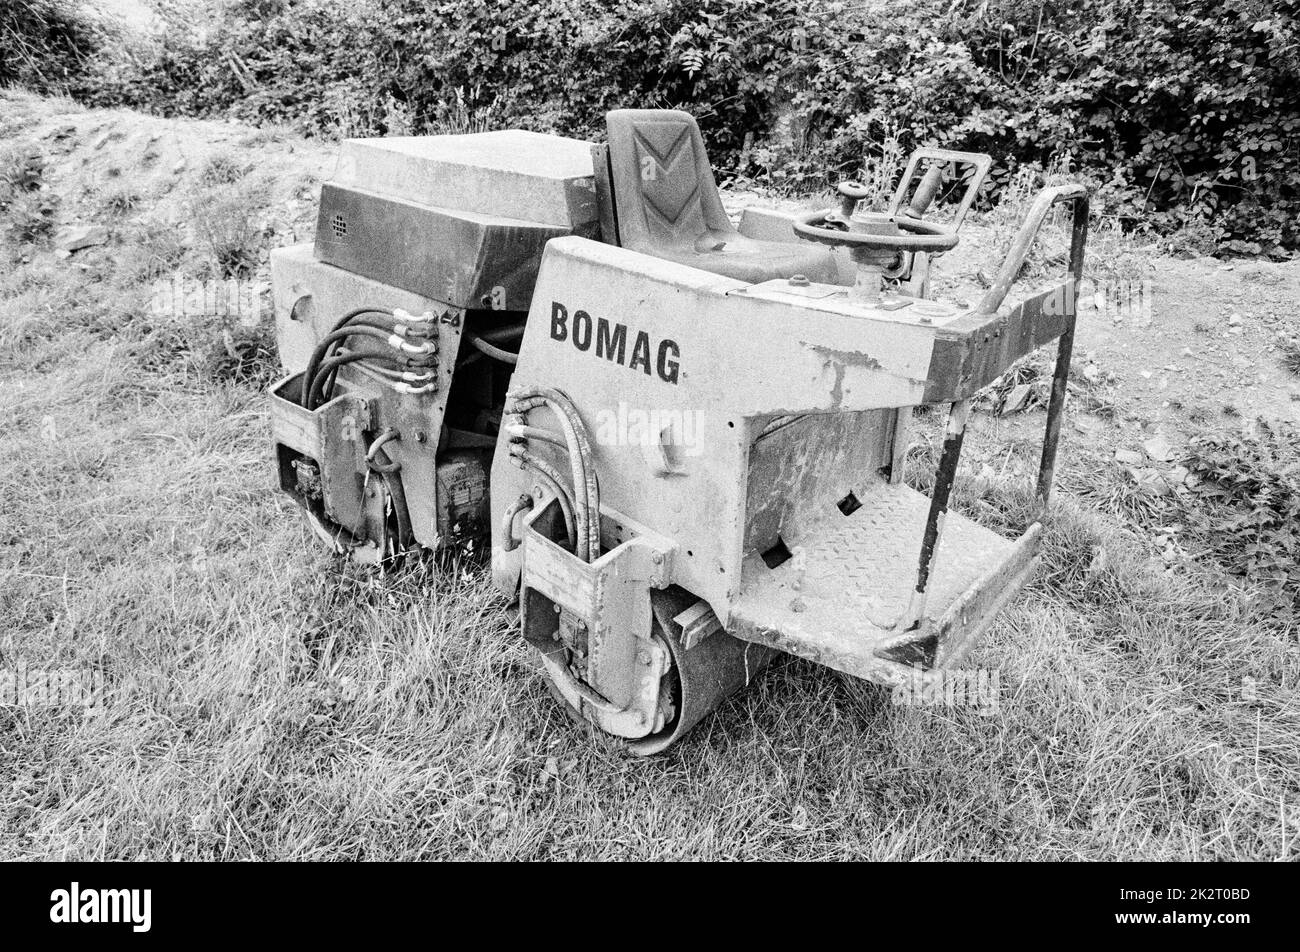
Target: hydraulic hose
[(508, 541), (496, 335), (380, 463), (550, 478), (328, 371), (388, 436), (586, 491), (578, 473), (387, 327), (324, 379), (522, 433), (319, 353), (496, 353)]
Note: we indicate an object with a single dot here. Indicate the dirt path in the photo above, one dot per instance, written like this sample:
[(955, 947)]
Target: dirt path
[(1205, 344)]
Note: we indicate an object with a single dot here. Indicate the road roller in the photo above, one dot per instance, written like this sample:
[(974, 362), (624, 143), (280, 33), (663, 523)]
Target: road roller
[(681, 437)]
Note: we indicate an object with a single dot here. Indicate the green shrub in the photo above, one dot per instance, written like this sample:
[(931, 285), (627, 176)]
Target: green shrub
[(1183, 114), (45, 43), (1192, 103), (1251, 488)]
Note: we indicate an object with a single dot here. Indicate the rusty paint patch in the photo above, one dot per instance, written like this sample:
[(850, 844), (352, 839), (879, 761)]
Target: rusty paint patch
[(851, 358)]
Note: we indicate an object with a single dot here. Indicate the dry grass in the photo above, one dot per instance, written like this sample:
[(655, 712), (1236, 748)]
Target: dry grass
[(272, 704)]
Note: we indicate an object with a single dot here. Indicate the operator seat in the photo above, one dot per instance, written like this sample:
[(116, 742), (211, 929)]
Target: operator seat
[(666, 204)]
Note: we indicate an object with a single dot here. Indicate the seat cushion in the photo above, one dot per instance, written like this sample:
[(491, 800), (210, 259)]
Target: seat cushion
[(667, 204)]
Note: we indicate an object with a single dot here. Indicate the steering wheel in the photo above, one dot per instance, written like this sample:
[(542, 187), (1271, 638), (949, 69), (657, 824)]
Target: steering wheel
[(872, 230)]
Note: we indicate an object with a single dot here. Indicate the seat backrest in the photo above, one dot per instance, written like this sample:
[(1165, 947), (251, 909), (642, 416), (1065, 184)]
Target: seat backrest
[(664, 196)]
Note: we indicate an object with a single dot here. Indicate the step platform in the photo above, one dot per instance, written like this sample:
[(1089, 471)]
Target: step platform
[(835, 599)]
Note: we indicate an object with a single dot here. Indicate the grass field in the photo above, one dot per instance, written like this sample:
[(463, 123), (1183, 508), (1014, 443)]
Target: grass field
[(266, 702)]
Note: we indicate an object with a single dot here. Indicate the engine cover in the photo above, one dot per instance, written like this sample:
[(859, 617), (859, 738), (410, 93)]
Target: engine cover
[(460, 219)]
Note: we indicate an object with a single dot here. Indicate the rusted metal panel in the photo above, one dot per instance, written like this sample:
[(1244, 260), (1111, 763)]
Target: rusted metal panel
[(463, 258), (292, 425), (342, 423), (799, 472), (973, 350), (565, 580), (332, 436)]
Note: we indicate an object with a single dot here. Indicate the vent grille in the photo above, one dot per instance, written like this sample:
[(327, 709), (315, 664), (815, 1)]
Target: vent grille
[(339, 225)]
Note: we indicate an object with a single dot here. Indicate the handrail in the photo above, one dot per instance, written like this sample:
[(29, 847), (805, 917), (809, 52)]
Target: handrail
[(1025, 237), (985, 314)]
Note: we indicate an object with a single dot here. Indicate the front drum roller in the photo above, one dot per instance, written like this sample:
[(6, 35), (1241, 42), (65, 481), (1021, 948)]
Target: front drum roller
[(699, 679)]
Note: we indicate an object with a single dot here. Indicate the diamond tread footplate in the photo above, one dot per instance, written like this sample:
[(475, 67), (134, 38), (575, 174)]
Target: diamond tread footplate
[(834, 600)]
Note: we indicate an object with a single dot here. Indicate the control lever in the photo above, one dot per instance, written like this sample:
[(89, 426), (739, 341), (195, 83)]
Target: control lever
[(925, 192)]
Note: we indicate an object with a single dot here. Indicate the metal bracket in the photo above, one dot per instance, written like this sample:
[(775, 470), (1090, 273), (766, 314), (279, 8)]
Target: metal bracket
[(697, 623), (611, 596)]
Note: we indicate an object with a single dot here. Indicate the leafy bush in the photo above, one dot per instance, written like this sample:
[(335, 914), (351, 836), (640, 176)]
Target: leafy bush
[(1193, 104), (1183, 114), (1251, 484), (44, 43)]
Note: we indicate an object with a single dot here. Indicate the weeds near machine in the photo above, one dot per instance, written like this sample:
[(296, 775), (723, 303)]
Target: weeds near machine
[(121, 202), (152, 250), (227, 225), (222, 168), (1291, 356)]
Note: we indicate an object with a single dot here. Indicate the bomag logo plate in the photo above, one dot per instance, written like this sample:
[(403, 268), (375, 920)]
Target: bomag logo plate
[(616, 343)]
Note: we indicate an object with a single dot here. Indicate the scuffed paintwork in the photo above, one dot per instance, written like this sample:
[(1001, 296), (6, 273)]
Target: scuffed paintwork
[(849, 592), (849, 358), (837, 361)]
